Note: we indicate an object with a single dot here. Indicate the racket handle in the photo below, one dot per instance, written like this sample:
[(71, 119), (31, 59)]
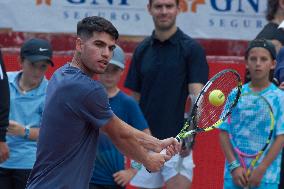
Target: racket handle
[(188, 133), (163, 151)]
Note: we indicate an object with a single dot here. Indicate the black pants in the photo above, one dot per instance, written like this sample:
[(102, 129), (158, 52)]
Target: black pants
[(96, 186), (14, 178), (281, 185)]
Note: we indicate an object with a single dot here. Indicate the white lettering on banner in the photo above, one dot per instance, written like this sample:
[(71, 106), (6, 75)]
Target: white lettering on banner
[(198, 18), (97, 2), (111, 16), (235, 23)]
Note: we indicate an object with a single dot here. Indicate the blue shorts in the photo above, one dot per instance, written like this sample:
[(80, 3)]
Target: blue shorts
[(229, 184)]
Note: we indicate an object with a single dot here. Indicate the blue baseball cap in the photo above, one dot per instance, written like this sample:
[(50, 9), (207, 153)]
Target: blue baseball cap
[(118, 57), (37, 50)]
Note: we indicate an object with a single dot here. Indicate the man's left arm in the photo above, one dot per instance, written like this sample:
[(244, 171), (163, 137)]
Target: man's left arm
[(197, 76), (136, 144), (194, 89)]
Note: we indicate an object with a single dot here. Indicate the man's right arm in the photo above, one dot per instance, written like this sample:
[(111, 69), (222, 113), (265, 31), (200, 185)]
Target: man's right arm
[(4, 111), (136, 144)]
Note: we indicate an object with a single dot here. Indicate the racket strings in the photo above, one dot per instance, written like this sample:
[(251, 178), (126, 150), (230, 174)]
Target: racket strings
[(208, 114), (250, 124)]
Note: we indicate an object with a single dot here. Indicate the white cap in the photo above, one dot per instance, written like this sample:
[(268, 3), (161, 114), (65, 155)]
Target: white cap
[(281, 25), (118, 57)]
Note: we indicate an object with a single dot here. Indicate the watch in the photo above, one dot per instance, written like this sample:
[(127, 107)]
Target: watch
[(27, 133)]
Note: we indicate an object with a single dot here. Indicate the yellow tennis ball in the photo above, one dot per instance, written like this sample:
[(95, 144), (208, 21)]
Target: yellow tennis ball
[(216, 97)]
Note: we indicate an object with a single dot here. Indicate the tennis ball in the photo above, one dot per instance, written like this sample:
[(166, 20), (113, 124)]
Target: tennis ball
[(216, 97)]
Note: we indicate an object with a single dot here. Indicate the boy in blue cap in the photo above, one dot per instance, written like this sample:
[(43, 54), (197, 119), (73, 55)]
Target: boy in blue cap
[(109, 165), (27, 98)]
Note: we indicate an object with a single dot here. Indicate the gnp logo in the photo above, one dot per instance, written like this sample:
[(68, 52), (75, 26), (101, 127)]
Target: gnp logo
[(39, 2), (184, 4), (220, 6)]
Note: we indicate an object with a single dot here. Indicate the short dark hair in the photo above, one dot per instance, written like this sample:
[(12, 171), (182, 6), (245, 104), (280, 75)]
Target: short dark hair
[(88, 25), (272, 6), (151, 1)]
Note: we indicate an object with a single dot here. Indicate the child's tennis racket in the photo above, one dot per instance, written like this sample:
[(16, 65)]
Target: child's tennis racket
[(251, 130)]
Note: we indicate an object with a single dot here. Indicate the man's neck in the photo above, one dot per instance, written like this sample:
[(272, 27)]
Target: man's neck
[(76, 62), (163, 35)]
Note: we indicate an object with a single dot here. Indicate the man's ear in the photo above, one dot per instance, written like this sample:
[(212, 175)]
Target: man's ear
[(79, 44)]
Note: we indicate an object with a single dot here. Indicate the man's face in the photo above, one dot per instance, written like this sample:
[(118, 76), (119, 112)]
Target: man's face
[(164, 13), (96, 52)]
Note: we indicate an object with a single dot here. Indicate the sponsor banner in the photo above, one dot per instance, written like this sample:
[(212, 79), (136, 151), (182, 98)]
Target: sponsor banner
[(217, 19)]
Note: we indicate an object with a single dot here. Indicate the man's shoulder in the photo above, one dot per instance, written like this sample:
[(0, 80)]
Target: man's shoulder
[(75, 80), (145, 43), (190, 46), (187, 40), (74, 76)]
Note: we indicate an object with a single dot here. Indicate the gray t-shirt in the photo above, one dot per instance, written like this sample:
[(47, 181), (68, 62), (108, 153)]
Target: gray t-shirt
[(76, 107)]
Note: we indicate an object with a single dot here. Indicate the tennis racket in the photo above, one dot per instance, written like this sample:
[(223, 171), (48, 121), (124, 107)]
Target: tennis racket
[(251, 129), (204, 115)]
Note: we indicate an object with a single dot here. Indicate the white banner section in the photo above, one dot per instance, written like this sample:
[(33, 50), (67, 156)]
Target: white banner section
[(217, 19)]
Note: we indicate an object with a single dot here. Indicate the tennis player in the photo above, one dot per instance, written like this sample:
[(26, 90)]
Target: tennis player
[(77, 107)]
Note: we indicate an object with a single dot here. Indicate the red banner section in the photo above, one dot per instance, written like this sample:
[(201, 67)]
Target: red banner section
[(208, 156)]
